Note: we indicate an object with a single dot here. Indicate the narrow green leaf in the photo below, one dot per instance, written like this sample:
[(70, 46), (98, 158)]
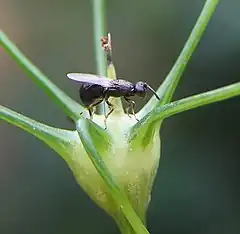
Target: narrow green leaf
[(102, 140), (167, 110), (166, 90), (56, 138), (87, 135), (195, 101), (99, 31), (98, 7), (69, 106)]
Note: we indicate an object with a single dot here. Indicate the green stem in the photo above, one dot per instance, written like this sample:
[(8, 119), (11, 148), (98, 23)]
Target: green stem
[(53, 137), (86, 135), (198, 100), (99, 31), (185, 104), (166, 90), (70, 107)]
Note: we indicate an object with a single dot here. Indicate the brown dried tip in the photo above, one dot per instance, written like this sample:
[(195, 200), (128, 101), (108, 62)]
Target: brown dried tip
[(106, 43)]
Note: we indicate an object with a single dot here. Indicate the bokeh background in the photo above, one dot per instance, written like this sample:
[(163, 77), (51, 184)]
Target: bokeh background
[(197, 188)]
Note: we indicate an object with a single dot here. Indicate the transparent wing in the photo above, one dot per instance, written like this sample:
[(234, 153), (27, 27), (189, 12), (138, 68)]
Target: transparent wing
[(90, 78)]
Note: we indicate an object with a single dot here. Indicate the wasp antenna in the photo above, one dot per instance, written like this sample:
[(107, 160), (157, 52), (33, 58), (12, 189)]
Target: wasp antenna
[(150, 88)]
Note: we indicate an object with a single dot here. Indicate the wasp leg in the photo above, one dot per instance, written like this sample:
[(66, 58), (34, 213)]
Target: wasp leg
[(132, 104), (90, 108), (90, 111), (127, 109), (111, 109)]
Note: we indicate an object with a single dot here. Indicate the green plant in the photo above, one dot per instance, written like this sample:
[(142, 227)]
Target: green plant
[(115, 173)]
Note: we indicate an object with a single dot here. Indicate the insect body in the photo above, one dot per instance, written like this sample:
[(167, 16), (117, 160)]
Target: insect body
[(94, 89)]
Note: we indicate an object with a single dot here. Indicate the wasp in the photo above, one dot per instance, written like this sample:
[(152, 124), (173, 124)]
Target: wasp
[(94, 89)]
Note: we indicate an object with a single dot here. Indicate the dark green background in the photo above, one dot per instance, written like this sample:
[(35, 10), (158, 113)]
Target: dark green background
[(197, 186)]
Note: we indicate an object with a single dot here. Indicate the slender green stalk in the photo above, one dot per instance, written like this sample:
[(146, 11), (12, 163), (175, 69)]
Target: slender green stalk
[(70, 107), (185, 104), (84, 130), (166, 90), (53, 137), (99, 31), (198, 100)]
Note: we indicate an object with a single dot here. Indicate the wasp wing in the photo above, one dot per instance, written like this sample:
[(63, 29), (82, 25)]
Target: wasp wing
[(90, 79)]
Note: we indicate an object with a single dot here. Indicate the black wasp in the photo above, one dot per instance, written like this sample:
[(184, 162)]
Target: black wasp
[(94, 89)]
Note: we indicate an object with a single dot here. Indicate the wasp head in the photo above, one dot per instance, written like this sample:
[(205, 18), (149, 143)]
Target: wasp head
[(141, 88)]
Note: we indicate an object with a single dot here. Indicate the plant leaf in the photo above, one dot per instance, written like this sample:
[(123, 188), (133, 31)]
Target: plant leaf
[(161, 112), (98, 7), (57, 139), (69, 106), (166, 90)]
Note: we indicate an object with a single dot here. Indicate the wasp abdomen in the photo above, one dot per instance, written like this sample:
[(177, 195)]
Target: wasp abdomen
[(90, 93)]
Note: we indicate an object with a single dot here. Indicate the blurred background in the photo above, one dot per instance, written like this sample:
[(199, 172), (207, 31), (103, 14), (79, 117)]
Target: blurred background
[(197, 189)]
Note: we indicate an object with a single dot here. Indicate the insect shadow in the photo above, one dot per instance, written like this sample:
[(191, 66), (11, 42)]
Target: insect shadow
[(94, 89)]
